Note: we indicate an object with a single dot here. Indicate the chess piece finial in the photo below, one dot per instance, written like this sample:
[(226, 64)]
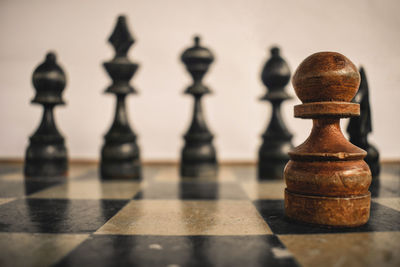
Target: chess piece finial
[(120, 155), (198, 154), (359, 127), (46, 154), (121, 39), (273, 153), (197, 60), (327, 179)]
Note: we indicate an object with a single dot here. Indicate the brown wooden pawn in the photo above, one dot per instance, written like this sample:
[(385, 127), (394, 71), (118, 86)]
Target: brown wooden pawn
[(327, 179)]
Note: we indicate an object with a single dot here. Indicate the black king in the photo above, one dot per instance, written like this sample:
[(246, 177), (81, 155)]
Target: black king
[(198, 154), (120, 153)]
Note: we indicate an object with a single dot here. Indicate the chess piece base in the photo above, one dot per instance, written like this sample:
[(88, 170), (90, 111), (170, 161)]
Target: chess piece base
[(272, 158), (349, 211), (271, 169), (198, 159), (199, 169), (46, 160), (120, 161), (46, 168), (120, 170)]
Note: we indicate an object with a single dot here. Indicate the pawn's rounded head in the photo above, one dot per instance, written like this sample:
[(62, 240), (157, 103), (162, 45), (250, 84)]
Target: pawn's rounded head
[(276, 73), (197, 53), (326, 76)]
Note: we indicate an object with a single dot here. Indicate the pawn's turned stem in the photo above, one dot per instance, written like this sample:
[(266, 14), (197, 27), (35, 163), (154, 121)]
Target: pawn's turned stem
[(327, 180), (325, 128)]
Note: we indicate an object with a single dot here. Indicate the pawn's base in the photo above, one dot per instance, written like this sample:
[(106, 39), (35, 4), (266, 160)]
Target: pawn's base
[(328, 211), (120, 160), (46, 160), (35, 169), (120, 170), (199, 170)]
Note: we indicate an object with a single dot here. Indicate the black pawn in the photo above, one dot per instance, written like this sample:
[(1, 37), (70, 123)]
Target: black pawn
[(46, 154), (360, 127), (273, 153), (198, 154), (120, 153)]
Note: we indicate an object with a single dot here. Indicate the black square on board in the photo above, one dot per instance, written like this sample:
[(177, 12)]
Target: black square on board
[(117, 250), (57, 215)]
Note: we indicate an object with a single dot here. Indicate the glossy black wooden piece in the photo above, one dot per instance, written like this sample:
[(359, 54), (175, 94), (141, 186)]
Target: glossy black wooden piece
[(46, 155), (360, 127), (273, 153), (198, 154), (120, 155)]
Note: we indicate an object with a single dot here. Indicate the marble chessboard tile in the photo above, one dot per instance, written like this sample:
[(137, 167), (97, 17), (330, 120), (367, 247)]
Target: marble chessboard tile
[(165, 220)]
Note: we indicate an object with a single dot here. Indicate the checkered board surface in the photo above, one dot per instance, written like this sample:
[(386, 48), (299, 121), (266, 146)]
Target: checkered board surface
[(163, 220)]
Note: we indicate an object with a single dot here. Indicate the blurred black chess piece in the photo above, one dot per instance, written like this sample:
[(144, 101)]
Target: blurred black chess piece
[(198, 154), (120, 153), (360, 127), (199, 188), (46, 155), (273, 153)]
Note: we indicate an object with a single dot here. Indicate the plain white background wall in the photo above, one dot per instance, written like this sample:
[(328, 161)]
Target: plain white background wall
[(238, 32)]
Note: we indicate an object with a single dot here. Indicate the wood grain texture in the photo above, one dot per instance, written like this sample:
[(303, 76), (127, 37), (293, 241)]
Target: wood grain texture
[(327, 179), (334, 109), (326, 76)]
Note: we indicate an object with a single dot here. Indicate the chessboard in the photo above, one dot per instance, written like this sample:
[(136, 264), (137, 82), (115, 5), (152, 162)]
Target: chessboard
[(165, 220)]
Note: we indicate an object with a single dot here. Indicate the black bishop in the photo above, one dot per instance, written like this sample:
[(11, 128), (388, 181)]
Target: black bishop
[(46, 155)]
